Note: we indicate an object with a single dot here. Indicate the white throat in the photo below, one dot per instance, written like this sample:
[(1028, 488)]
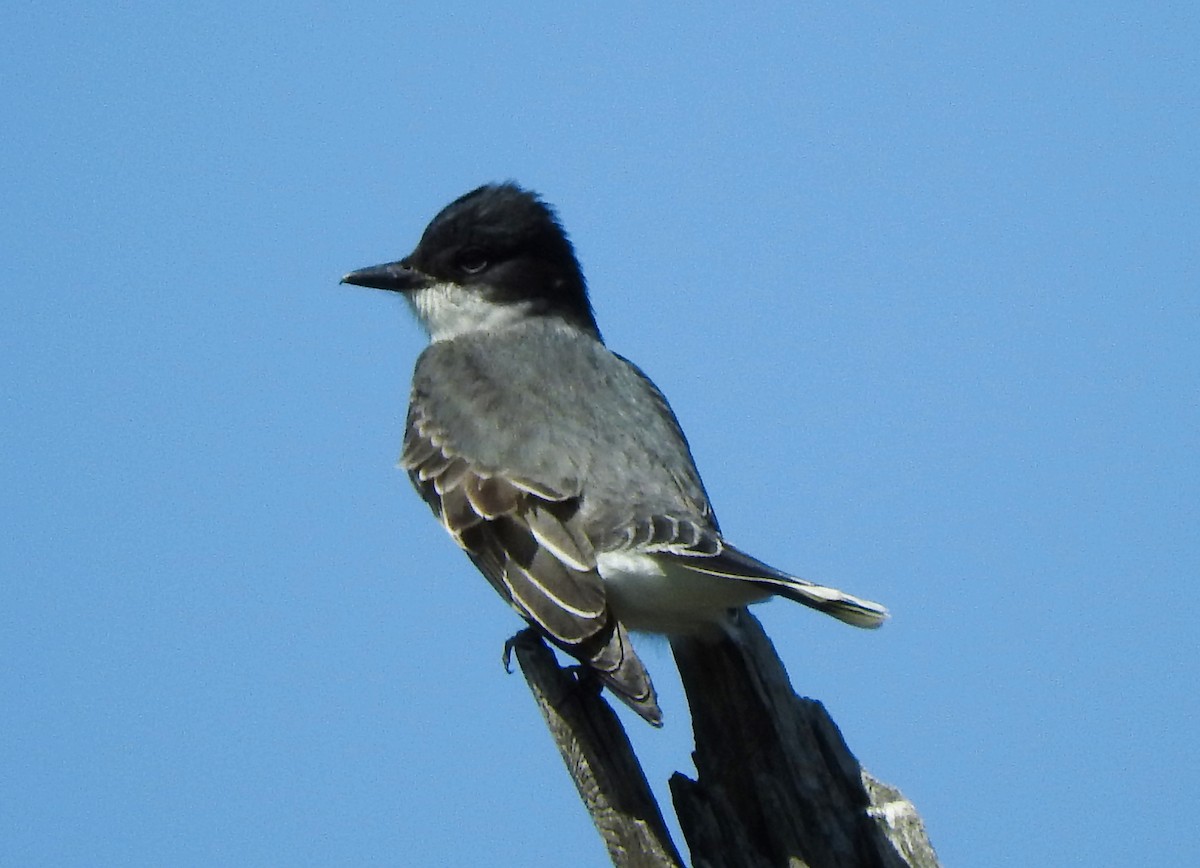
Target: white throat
[(448, 310)]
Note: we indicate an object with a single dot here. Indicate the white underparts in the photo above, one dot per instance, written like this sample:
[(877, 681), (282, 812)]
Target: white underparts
[(651, 594)]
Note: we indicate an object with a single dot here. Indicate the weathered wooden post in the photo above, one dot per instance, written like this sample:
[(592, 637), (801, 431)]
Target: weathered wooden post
[(776, 783)]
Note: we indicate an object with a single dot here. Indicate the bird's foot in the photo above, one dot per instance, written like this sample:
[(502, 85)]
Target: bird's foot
[(528, 636)]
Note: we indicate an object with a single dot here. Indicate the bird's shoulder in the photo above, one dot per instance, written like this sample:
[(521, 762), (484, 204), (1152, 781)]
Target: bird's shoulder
[(560, 411), (536, 352), (539, 389)]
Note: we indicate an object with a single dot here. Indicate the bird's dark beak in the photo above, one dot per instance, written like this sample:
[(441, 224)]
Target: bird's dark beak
[(396, 276)]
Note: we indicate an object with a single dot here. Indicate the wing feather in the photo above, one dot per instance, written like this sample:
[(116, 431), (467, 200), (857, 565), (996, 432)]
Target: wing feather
[(525, 537), (562, 538)]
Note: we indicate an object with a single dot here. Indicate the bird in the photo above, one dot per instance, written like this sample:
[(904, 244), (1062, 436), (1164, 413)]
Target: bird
[(556, 464)]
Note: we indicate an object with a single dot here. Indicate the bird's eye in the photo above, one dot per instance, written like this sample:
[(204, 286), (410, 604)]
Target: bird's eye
[(472, 261)]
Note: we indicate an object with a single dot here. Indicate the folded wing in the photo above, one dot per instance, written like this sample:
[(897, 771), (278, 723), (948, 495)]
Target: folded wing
[(524, 536)]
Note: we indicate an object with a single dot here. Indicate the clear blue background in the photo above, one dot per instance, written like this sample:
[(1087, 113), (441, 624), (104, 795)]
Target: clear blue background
[(921, 280)]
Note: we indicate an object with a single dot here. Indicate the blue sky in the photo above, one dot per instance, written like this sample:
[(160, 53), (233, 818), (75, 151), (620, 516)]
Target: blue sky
[(921, 281)]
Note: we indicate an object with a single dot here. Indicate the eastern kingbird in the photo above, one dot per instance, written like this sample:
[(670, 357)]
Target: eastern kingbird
[(556, 465)]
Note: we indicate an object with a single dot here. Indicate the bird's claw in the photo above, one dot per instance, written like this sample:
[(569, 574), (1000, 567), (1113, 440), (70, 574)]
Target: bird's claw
[(521, 637)]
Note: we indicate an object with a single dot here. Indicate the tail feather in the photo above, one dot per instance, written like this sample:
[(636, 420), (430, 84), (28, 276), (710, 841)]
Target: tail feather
[(845, 607), (735, 564)]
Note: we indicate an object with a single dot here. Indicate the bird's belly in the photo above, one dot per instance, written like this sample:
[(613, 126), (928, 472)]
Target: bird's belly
[(651, 594)]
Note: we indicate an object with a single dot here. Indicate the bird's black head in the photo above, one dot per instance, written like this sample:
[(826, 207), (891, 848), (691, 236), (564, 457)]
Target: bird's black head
[(493, 255)]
